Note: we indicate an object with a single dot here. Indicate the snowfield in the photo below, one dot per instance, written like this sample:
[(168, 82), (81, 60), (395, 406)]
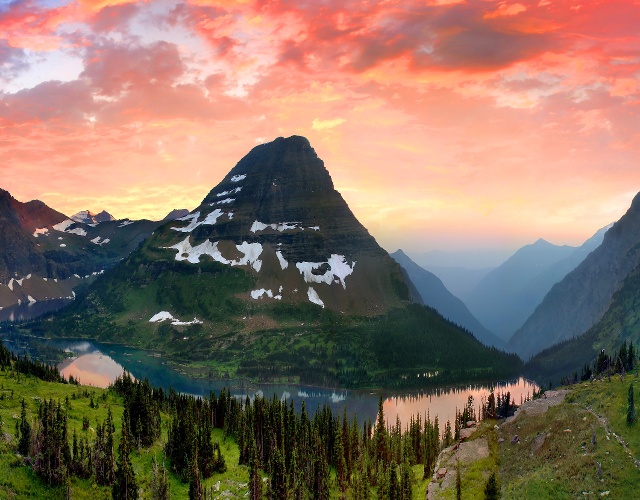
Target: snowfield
[(210, 220), (167, 316), (313, 297), (338, 269), (251, 251)]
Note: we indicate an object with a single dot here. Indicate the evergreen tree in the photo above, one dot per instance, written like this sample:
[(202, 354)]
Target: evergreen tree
[(631, 409), (24, 437), (380, 434), (159, 487), (491, 489), (393, 493), (195, 485), (124, 485), (406, 481), (255, 479), (278, 484)]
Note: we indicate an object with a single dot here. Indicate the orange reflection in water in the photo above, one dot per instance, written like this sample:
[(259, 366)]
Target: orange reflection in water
[(92, 369), (445, 401)]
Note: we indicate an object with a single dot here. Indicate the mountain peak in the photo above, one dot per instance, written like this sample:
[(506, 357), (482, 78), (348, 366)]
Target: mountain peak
[(300, 241), (104, 216)]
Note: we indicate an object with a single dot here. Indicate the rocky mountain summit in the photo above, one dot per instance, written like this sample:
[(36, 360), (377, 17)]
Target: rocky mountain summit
[(45, 255), (277, 215)]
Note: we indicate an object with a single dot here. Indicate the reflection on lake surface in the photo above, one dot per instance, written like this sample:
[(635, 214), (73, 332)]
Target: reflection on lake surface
[(25, 312), (99, 364), (91, 369)]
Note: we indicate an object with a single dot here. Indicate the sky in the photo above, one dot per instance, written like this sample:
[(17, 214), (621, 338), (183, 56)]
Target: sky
[(446, 125)]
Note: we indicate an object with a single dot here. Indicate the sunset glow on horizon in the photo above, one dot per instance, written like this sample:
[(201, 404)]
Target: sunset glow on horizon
[(445, 124)]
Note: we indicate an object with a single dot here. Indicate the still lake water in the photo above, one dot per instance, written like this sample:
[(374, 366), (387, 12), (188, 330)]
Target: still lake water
[(99, 364), (27, 311)]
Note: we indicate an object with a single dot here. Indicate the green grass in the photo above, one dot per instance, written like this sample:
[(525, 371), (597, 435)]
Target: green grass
[(18, 481), (565, 465)]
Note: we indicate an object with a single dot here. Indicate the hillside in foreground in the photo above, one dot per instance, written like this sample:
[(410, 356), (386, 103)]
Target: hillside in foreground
[(568, 444)]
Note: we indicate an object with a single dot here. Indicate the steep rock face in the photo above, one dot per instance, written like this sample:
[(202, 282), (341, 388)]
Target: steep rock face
[(20, 253), (577, 302), (620, 323), (176, 213), (277, 215), (434, 294)]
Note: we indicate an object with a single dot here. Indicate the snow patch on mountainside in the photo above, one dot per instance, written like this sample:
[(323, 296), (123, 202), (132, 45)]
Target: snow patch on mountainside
[(226, 201), (279, 226), (167, 316), (256, 294), (125, 223), (231, 191), (41, 230), (338, 270), (210, 219), (283, 262), (238, 178), (64, 225), (99, 241), (251, 251), (313, 297)]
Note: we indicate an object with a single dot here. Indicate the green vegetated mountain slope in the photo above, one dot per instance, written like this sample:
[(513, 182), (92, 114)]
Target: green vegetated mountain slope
[(619, 324), (434, 294), (577, 302), (272, 275)]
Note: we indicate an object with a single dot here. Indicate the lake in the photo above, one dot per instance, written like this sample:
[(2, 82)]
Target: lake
[(99, 364), (28, 311)]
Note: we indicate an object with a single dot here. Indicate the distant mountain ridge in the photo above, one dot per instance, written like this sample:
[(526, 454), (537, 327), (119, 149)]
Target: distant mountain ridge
[(45, 255), (581, 299), (434, 294), (509, 294), (502, 300)]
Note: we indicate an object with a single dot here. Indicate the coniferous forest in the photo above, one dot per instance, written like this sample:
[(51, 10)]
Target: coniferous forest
[(287, 453)]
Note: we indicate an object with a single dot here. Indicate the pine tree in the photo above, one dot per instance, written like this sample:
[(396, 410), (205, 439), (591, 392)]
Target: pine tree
[(406, 481), (278, 485), (491, 489), (124, 485), (255, 480), (159, 482), (631, 409), (24, 431), (380, 434), (195, 485)]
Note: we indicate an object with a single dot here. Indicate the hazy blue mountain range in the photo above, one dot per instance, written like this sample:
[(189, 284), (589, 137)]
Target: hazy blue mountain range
[(435, 294), (581, 299), (508, 295)]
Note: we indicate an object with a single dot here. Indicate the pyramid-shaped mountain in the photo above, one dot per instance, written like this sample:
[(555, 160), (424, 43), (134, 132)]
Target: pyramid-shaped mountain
[(278, 216), (272, 276)]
